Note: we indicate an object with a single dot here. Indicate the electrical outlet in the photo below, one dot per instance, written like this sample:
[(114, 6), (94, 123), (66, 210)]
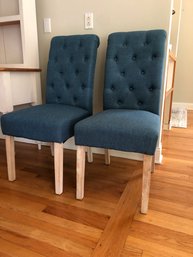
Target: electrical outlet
[(88, 20)]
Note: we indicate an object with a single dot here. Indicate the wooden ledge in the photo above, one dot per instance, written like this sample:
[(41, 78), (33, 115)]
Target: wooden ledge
[(20, 69)]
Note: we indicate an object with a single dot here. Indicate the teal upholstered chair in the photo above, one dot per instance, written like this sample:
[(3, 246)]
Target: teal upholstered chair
[(131, 117), (69, 92)]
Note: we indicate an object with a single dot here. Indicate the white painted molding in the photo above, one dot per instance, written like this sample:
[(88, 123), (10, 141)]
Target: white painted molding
[(189, 106)]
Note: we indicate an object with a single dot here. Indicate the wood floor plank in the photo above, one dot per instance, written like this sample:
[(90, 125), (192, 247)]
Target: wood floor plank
[(35, 222), (163, 237), (16, 251), (167, 221), (115, 233)]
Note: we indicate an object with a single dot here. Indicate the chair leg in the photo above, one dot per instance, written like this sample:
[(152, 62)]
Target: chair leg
[(147, 167), (58, 164), (107, 157), (10, 152), (52, 148), (80, 172), (153, 164), (89, 155)]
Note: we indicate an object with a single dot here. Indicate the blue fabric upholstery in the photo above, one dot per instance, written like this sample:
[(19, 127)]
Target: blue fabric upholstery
[(133, 79), (69, 91), (121, 129), (48, 122), (71, 70), (134, 65)]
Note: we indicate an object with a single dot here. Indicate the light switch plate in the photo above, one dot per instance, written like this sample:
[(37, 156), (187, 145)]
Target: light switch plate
[(47, 25)]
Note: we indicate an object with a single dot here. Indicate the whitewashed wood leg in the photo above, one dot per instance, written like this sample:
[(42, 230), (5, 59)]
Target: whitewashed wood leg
[(52, 148), (153, 164), (10, 152), (147, 166), (89, 155), (58, 164), (80, 172), (107, 157)]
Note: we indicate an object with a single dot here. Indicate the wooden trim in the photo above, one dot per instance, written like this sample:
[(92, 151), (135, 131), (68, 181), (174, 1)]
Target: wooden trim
[(89, 155), (172, 56), (5, 23), (20, 69), (107, 157), (80, 172), (10, 152), (147, 168), (169, 91), (58, 164)]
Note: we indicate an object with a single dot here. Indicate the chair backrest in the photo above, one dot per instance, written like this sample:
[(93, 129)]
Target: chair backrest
[(70, 72), (134, 70)]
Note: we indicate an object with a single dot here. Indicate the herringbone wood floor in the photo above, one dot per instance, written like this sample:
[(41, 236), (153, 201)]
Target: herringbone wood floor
[(34, 222)]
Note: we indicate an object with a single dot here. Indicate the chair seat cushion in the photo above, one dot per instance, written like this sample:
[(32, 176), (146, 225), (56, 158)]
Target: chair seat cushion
[(47, 122), (124, 130)]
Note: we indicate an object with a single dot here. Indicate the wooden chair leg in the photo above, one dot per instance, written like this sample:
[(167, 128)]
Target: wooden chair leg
[(58, 164), (147, 166), (10, 152), (153, 164), (107, 157), (89, 155), (52, 148), (80, 172)]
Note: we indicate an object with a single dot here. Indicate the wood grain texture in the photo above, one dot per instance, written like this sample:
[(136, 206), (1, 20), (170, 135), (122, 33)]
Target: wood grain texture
[(35, 222)]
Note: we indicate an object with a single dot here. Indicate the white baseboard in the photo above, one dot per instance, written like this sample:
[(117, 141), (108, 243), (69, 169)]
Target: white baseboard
[(188, 106)]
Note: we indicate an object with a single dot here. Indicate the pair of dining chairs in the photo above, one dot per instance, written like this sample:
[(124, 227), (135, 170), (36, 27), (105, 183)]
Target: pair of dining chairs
[(130, 120)]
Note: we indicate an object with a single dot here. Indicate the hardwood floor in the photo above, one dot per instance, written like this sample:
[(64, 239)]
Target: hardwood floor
[(34, 222)]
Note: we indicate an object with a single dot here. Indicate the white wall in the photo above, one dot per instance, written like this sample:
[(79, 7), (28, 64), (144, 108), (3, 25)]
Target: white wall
[(183, 91)]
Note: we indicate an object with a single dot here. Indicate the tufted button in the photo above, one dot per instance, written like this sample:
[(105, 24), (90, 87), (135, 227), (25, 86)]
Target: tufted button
[(77, 72), (83, 86), (67, 86), (86, 58), (58, 98), (131, 87), (112, 87), (52, 85), (123, 73), (142, 72), (75, 99), (120, 102), (146, 43), (61, 72), (151, 88), (125, 44), (140, 103), (116, 58), (134, 57), (154, 56)]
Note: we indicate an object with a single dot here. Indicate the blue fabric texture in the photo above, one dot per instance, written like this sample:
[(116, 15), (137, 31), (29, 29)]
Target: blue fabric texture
[(71, 69), (69, 92), (48, 122), (120, 129), (133, 80), (134, 69)]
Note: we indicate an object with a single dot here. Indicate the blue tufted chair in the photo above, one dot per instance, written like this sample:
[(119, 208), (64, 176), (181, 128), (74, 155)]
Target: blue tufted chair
[(131, 117), (69, 91)]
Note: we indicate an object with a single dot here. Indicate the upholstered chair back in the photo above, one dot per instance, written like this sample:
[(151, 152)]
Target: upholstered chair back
[(70, 71), (134, 64)]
